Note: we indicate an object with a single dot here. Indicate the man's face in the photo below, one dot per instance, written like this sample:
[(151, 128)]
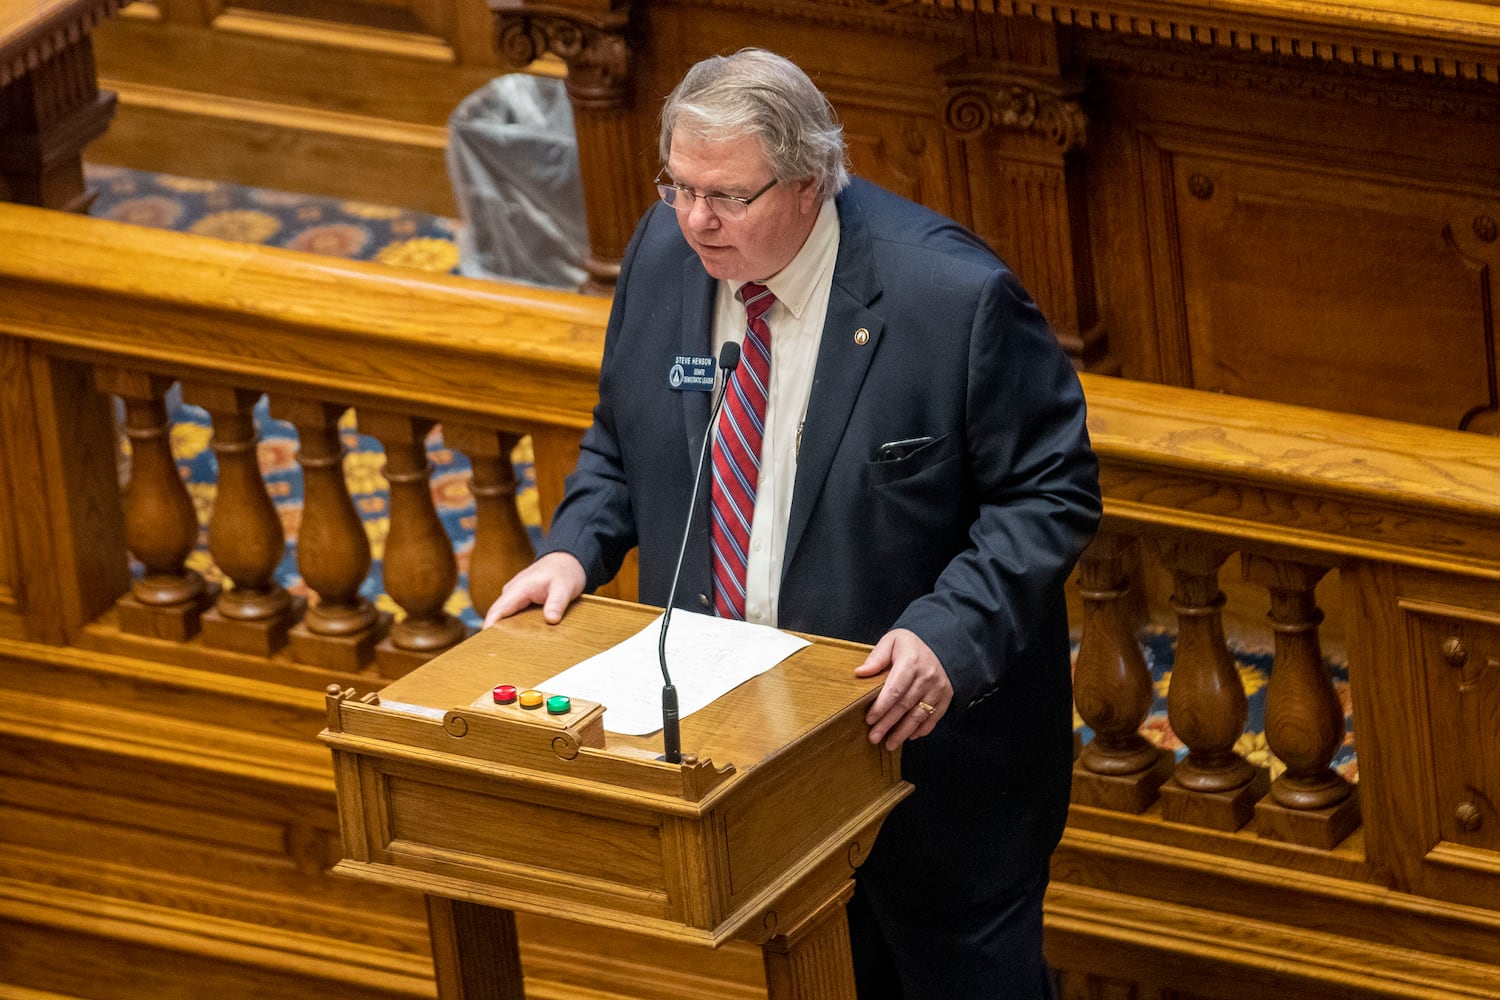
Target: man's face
[(773, 228)]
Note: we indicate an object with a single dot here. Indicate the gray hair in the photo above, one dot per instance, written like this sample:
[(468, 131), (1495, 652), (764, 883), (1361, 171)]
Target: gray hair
[(760, 94)]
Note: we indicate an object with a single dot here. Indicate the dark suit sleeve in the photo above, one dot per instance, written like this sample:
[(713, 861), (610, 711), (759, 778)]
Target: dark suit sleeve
[(1038, 499), (595, 521)]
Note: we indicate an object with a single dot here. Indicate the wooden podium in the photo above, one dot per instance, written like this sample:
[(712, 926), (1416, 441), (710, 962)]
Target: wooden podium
[(491, 809)]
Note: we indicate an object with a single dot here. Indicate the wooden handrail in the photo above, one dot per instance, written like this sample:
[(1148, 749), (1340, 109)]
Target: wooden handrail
[(520, 356), (177, 304), (1335, 484)]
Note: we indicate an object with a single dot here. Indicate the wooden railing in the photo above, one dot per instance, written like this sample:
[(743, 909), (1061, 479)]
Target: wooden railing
[(1390, 531), (128, 313)]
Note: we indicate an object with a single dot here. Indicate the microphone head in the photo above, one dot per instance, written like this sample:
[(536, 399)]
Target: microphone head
[(729, 357)]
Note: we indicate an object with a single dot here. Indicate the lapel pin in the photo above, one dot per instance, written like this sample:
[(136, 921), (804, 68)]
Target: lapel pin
[(861, 336)]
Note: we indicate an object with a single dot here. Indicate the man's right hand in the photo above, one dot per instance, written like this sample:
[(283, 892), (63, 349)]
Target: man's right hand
[(554, 581)]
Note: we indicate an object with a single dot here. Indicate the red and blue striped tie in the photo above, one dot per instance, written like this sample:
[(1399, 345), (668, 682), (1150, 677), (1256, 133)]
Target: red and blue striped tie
[(737, 454)]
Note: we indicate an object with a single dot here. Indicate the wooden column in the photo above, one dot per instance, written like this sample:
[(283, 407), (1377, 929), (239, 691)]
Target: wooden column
[(50, 103), (161, 524), (419, 568), (1118, 769), (1020, 126), (592, 38), (476, 953), (811, 961), (1212, 786), (1310, 803), (340, 630), (245, 535)]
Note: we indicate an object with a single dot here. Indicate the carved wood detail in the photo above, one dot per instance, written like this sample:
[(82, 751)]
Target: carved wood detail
[(1390, 40), (50, 103), (1026, 128), (977, 102), (595, 47)]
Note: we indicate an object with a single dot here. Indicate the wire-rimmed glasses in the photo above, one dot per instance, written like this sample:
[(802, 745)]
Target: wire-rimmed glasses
[(725, 206)]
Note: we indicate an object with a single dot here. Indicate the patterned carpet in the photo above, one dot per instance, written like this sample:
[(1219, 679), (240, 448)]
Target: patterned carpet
[(325, 226), (408, 239)]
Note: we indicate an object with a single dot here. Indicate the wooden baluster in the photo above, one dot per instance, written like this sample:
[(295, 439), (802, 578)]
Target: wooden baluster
[(502, 546), (245, 535), (1310, 803), (420, 570), (340, 629), (161, 524), (1118, 769), (1212, 786)]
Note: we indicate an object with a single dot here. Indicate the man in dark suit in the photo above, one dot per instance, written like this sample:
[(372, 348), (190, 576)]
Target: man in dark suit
[(924, 484)]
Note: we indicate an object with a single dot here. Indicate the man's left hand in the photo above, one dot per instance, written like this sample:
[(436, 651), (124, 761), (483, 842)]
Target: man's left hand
[(916, 694)]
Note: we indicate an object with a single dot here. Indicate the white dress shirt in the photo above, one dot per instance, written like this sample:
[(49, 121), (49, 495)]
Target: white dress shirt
[(796, 323)]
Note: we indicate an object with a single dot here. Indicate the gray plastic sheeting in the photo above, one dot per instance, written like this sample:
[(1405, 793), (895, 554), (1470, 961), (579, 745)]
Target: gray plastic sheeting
[(513, 163)]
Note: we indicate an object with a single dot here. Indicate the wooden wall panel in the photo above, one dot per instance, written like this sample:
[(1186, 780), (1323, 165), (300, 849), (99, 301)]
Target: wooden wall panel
[(1292, 276), (1303, 232)]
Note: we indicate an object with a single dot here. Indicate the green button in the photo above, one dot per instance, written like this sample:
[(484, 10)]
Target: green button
[(559, 704)]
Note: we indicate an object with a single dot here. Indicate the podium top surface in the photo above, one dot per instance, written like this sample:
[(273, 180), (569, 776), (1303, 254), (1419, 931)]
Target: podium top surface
[(750, 724)]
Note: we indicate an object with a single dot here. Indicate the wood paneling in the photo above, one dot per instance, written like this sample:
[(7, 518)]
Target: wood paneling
[(1313, 235)]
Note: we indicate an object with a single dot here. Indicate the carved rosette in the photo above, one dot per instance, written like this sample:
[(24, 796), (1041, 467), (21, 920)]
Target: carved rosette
[(1015, 104), (596, 49)]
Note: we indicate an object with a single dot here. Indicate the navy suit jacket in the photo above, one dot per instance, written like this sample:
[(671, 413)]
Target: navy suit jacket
[(967, 541)]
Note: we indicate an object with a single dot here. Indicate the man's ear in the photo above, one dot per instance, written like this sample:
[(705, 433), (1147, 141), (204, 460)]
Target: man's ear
[(808, 195)]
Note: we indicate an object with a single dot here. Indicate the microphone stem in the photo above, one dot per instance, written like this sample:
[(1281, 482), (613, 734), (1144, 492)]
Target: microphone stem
[(729, 359)]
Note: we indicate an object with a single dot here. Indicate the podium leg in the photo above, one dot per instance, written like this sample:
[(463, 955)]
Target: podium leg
[(811, 961), (475, 952)]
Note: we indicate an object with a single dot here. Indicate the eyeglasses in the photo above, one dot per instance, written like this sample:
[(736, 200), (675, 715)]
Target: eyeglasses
[(725, 206)]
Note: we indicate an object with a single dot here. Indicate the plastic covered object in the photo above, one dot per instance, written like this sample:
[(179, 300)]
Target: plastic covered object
[(513, 163)]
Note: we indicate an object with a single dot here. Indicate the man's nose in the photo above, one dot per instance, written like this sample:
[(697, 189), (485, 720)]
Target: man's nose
[(700, 216)]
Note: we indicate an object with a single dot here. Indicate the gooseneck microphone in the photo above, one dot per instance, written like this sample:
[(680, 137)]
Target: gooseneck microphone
[(729, 360)]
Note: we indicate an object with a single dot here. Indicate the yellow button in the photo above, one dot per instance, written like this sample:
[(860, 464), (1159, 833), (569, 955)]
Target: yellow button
[(532, 699)]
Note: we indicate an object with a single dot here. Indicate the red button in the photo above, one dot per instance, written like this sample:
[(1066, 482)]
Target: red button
[(505, 694)]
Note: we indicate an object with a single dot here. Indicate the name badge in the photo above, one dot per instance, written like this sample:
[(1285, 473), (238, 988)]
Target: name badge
[(691, 374)]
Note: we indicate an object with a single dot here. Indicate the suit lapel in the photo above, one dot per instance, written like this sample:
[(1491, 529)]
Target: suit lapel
[(851, 335), (695, 338)]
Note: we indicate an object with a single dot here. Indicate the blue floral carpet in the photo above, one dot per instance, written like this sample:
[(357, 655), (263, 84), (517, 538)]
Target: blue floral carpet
[(326, 226), (402, 238)]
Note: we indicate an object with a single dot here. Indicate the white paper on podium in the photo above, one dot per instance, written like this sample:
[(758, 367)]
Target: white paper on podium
[(707, 657)]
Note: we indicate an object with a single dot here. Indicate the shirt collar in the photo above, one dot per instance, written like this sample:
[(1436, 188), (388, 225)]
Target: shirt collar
[(794, 284)]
